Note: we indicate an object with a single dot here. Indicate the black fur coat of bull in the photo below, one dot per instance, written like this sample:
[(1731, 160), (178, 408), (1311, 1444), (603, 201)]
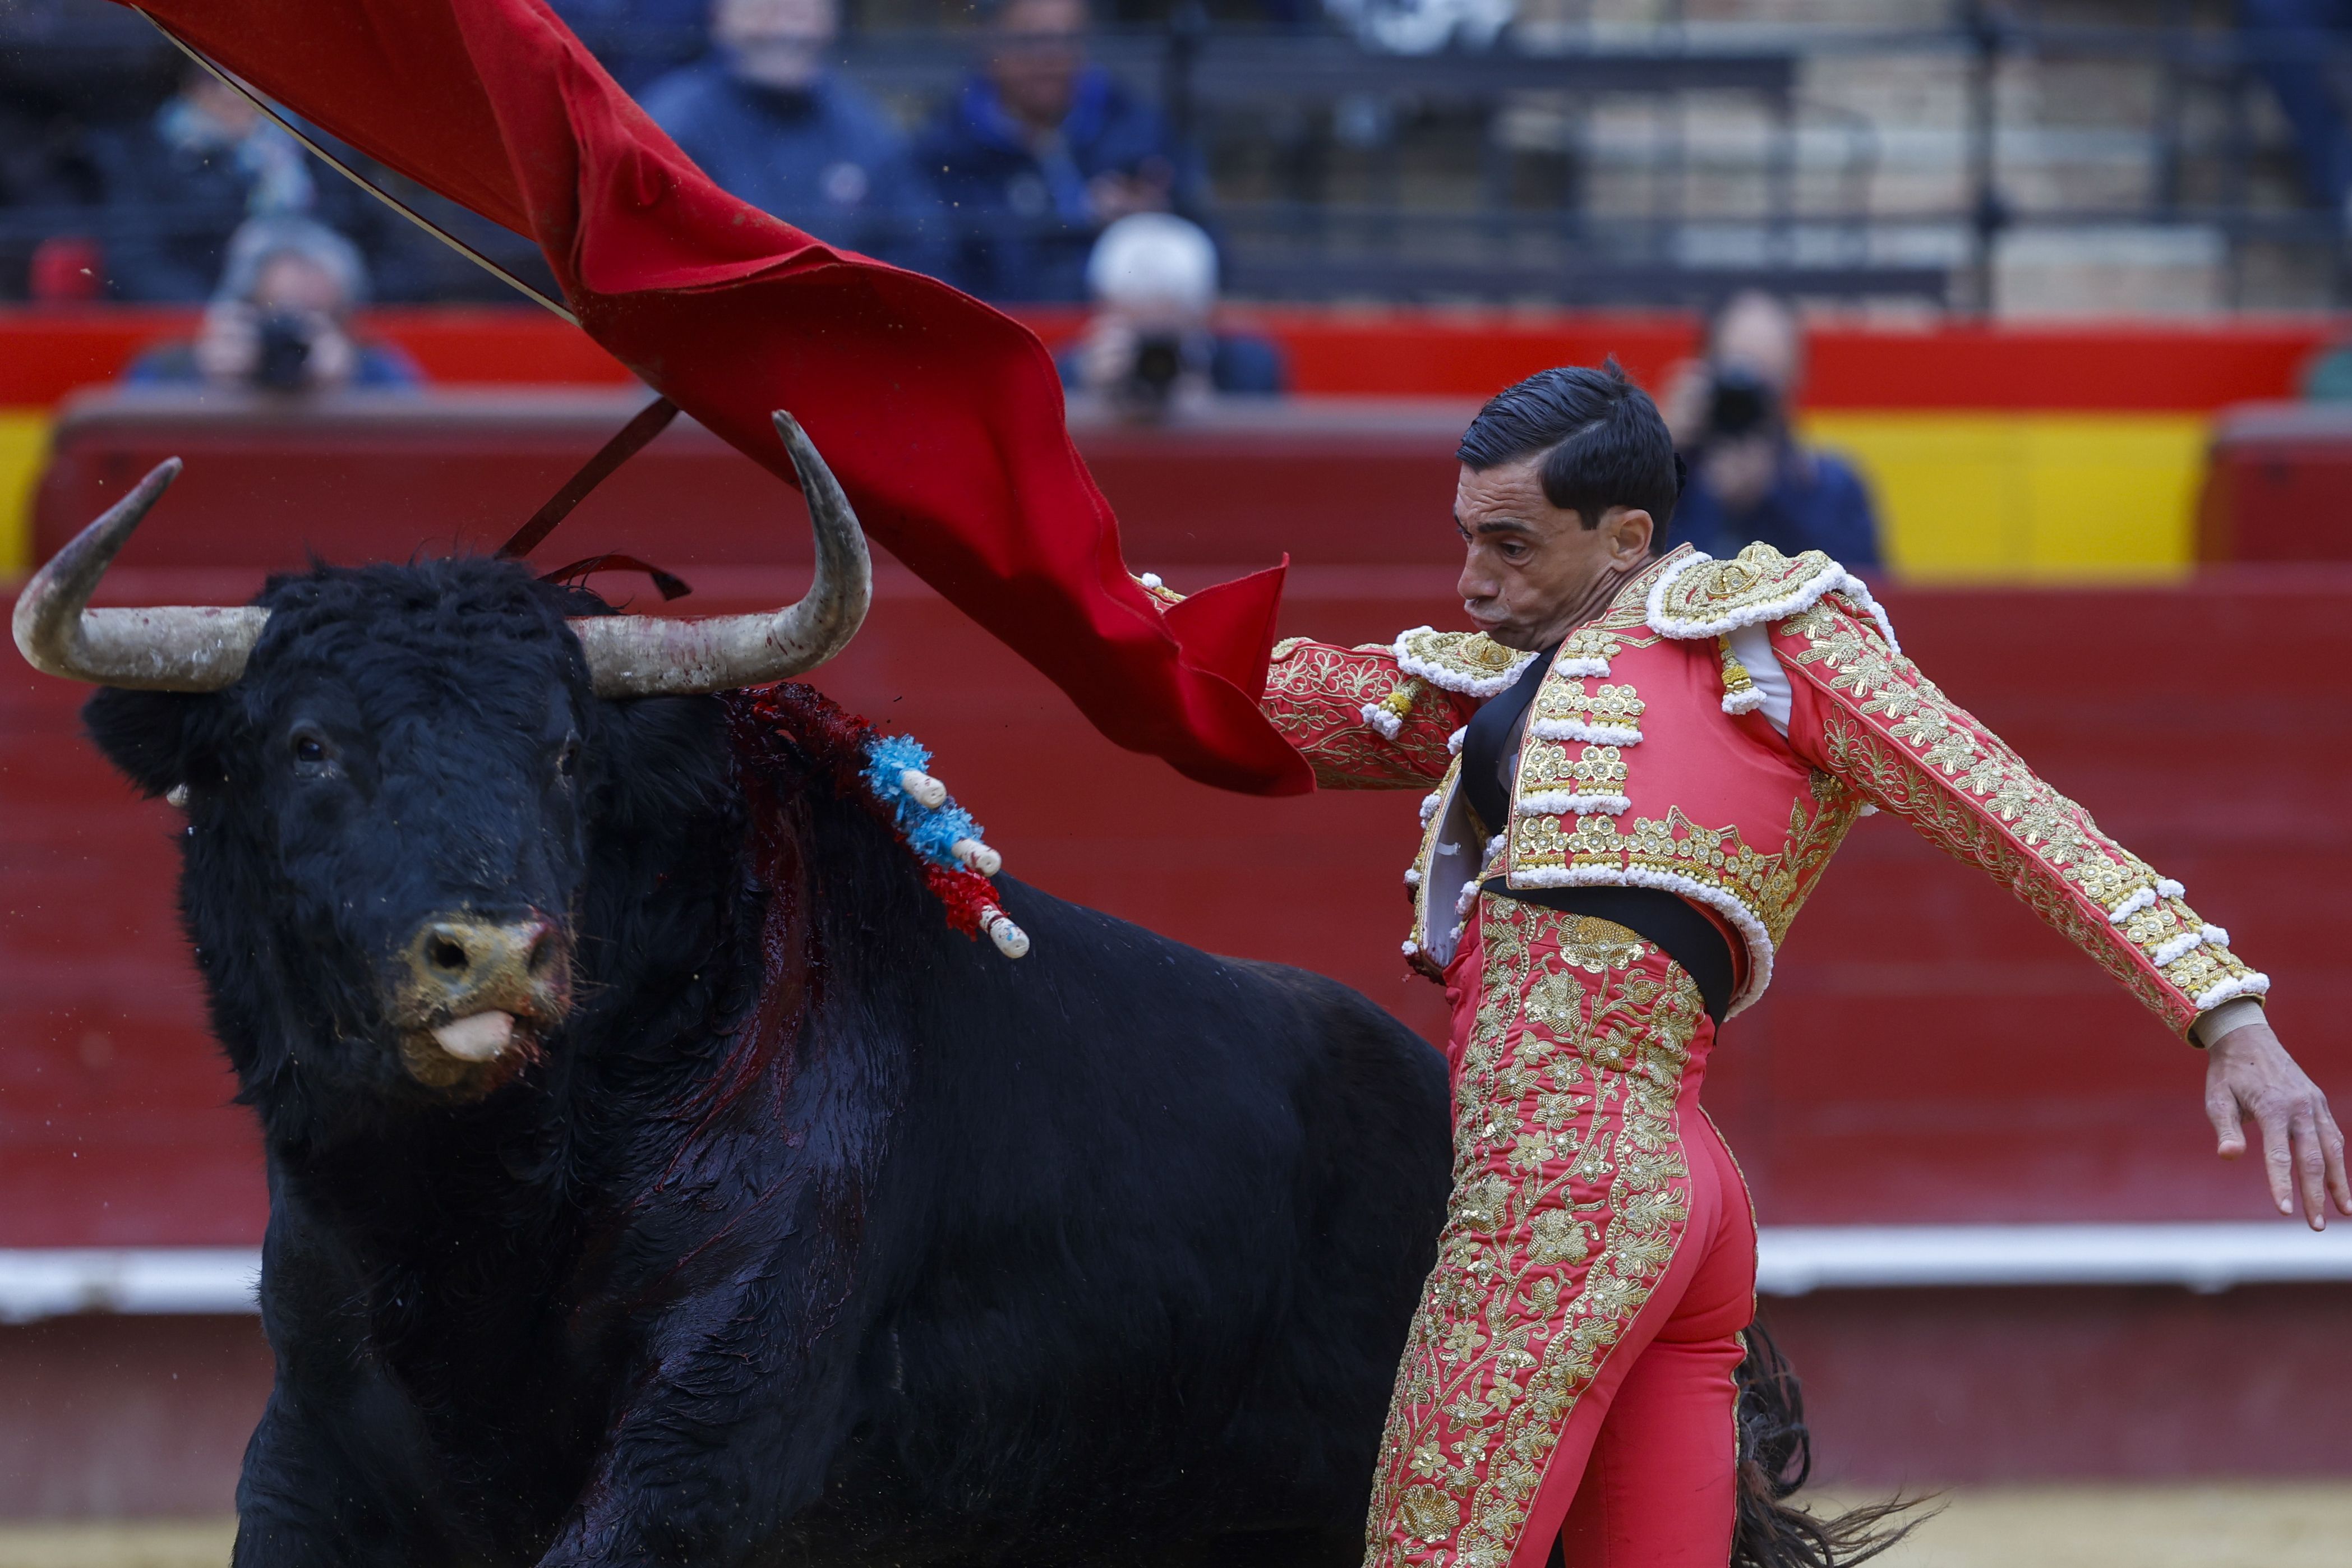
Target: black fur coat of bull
[(810, 1231)]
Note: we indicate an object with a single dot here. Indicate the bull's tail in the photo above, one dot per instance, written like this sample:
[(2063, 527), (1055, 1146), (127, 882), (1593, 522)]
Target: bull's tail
[(1774, 1459)]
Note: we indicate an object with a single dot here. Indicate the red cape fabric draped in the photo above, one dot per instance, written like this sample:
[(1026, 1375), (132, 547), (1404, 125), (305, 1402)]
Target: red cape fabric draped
[(942, 417)]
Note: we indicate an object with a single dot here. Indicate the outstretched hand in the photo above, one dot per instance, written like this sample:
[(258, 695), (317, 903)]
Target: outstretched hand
[(2249, 1077)]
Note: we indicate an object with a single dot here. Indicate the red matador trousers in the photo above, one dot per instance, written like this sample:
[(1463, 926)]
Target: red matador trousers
[(1570, 1372)]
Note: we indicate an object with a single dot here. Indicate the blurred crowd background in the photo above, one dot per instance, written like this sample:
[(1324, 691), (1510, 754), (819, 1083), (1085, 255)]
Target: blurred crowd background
[(1888, 158), (2021, 157)]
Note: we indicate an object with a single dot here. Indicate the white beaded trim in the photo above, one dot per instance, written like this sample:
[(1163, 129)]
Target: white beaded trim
[(1745, 700), (2177, 948), (1447, 679), (1553, 802), (1383, 720), (1453, 741), (2215, 935), (1837, 579), (1579, 667), (2229, 990), (1577, 729), (2146, 897), (1429, 804)]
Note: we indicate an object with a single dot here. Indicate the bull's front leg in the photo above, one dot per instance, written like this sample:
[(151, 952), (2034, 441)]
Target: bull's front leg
[(302, 1501), (740, 1400)]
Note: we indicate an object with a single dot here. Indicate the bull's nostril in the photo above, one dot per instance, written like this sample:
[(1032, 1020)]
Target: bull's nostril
[(445, 954), (542, 952)]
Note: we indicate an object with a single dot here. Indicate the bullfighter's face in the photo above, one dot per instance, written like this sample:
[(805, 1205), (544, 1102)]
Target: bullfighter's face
[(400, 787), (1532, 572)]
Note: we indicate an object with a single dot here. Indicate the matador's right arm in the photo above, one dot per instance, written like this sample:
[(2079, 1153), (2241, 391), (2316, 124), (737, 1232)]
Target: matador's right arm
[(1361, 717)]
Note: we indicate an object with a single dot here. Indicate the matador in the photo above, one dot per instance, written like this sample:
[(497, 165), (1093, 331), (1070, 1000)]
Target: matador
[(1642, 763)]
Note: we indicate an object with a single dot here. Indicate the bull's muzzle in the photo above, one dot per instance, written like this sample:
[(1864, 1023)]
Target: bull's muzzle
[(473, 996)]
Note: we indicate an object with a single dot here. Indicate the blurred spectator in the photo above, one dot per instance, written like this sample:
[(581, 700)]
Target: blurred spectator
[(1152, 344), (637, 40), (281, 320), (767, 120), (1037, 151), (1749, 478), (2298, 46), (178, 185)]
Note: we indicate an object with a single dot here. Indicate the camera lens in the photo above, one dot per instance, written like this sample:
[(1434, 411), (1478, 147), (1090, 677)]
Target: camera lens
[(284, 352), (1158, 363), (1739, 405)]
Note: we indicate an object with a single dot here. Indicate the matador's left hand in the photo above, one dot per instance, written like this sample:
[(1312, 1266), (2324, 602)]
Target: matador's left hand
[(2249, 1077)]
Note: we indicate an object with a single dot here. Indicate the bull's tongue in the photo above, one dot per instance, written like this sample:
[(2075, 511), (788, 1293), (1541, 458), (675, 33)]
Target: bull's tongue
[(478, 1038)]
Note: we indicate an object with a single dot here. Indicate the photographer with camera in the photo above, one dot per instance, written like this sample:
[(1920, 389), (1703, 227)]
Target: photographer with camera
[(280, 320), (1151, 346), (1749, 478)]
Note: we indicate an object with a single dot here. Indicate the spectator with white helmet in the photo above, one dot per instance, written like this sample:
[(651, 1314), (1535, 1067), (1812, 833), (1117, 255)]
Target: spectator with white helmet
[(1152, 341)]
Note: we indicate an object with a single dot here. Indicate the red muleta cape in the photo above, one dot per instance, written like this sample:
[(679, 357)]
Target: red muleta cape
[(942, 417)]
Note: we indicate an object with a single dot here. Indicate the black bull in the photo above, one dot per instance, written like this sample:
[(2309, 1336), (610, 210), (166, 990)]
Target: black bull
[(809, 1230), (787, 1226)]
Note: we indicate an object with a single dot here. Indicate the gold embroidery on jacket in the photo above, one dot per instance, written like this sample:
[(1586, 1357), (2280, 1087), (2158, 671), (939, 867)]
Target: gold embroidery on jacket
[(1931, 755), (1571, 1196), (1771, 886), (1316, 694), (1617, 707), (1461, 657), (1746, 584), (1593, 770)]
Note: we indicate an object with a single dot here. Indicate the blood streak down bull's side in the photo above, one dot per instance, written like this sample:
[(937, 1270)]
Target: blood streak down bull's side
[(657, 1178)]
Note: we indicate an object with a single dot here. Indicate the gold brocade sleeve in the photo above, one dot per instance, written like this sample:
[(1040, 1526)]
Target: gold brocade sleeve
[(1359, 718), (1864, 713)]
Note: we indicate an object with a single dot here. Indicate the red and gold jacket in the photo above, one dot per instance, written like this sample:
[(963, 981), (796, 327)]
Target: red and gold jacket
[(1715, 732)]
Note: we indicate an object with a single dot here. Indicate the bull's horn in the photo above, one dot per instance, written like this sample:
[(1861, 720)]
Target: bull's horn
[(174, 648), (646, 656)]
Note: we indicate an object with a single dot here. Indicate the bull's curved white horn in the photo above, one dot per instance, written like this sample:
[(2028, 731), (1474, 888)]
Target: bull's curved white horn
[(646, 655), (178, 647)]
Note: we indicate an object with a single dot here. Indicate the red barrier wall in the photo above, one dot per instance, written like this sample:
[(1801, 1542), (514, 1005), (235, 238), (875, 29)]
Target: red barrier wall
[(1930, 1053), (1395, 352)]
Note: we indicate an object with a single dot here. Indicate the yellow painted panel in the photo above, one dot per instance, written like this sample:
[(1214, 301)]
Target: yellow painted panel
[(24, 444), (2113, 496), (2027, 496)]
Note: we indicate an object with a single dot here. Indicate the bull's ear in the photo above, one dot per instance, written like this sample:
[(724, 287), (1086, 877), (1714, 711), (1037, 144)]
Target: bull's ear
[(145, 734)]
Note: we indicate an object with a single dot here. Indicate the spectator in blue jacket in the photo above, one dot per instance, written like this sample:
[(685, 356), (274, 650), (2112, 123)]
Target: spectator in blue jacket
[(1750, 479), (766, 120), (178, 185), (638, 40), (1038, 152), (2299, 45)]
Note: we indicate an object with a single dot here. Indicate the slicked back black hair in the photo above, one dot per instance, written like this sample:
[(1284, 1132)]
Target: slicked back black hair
[(1603, 441)]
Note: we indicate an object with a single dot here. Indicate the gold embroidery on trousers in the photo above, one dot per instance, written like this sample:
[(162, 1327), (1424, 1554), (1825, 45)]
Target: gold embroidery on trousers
[(1571, 1194)]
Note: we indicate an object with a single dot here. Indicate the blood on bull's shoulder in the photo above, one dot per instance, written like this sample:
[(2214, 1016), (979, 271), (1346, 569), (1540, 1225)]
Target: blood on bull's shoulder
[(657, 1172)]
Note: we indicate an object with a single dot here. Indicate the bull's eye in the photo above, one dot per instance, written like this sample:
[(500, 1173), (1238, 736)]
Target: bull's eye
[(313, 754)]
